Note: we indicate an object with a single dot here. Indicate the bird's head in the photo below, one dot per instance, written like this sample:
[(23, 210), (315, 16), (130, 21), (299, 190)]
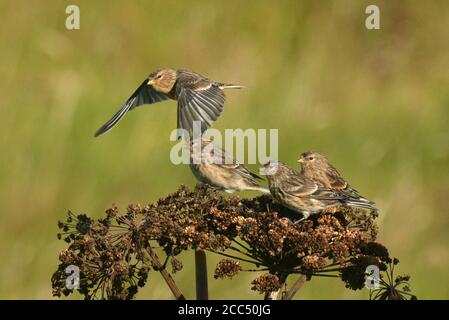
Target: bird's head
[(312, 159), (162, 80), (271, 167)]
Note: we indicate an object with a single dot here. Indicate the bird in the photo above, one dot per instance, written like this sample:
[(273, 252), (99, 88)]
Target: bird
[(297, 192), (301, 194), (199, 99), (213, 166), (316, 166)]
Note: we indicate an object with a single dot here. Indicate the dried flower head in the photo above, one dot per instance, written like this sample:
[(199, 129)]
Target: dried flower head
[(116, 253), (227, 268), (391, 287), (266, 283)]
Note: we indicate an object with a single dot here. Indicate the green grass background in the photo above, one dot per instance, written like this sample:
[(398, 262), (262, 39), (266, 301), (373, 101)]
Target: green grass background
[(375, 101)]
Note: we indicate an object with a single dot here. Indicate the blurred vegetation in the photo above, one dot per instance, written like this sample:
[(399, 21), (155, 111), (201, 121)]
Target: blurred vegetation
[(375, 101)]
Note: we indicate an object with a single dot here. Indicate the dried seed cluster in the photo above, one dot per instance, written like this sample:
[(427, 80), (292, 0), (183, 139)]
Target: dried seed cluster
[(114, 253)]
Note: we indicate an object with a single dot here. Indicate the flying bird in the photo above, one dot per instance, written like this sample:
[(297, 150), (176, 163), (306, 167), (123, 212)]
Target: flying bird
[(301, 194), (315, 166), (199, 99), (216, 168)]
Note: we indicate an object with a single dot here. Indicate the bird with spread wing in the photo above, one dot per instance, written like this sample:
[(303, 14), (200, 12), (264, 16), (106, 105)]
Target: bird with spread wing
[(199, 99)]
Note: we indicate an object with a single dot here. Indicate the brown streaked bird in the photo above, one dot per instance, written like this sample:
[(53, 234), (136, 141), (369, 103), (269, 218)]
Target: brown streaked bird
[(199, 99), (316, 166), (297, 192), (216, 168)]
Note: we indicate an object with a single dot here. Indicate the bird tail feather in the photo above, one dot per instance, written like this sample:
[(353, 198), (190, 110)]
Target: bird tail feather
[(361, 203), (261, 189), (229, 86)]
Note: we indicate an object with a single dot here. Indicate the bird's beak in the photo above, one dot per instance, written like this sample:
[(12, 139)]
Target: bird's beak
[(150, 82), (301, 160)]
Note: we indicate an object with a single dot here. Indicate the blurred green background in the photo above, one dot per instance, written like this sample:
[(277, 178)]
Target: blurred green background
[(375, 101)]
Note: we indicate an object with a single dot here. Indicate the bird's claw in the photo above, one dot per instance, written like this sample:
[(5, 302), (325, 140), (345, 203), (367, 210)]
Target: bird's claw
[(268, 207)]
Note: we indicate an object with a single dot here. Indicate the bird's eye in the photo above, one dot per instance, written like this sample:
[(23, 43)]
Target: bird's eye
[(159, 76), (310, 158)]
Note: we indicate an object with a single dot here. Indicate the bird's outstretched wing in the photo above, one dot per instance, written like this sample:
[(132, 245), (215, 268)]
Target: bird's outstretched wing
[(202, 103), (144, 94)]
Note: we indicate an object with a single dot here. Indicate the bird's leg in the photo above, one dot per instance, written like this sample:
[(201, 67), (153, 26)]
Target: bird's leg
[(211, 187), (299, 220), (305, 215), (268, 207)]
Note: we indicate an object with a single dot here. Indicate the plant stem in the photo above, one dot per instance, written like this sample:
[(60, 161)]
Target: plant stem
[(164, 273), (295, 287), (201, 275), (237, 258)]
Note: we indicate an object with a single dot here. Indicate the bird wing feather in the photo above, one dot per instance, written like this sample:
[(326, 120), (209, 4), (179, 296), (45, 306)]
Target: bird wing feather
[(297, 186), (341, 187), (203, 104), (225, 160), (300, 186), (144, 94), (335, 179)]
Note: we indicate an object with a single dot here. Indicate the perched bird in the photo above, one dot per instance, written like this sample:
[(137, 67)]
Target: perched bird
[(199, 99), (316, 167), (297, 192), (215, 167)]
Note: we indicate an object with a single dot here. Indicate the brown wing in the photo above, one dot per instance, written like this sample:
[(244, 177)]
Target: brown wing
[(144, 94), (335, 179), (297, 185), (225, 160), (337, 183), (198, 100)]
